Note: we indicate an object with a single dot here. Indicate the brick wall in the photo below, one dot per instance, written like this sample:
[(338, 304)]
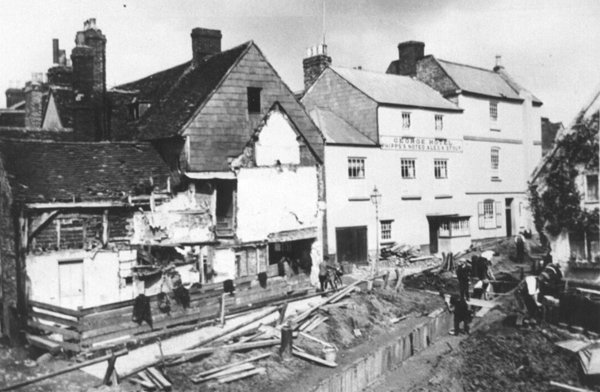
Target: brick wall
[(337, 95), (8, 260)]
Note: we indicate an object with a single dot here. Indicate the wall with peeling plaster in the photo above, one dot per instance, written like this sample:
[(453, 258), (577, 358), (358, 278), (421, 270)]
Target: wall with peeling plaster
[(277, 142), (272, 201)]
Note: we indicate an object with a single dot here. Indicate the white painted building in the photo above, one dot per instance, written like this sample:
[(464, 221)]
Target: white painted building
[(450, 168)]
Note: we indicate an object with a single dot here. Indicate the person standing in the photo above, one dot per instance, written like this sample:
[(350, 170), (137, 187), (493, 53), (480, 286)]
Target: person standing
[(463, 274), (520, 243), (462, 314)]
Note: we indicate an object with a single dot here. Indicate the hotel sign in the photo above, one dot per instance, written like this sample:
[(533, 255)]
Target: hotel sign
[(420, 144)]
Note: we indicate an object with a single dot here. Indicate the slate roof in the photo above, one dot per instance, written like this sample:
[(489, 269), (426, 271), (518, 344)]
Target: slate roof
[(12, 118), (45, 171), (337, 130), (482, 81), (395, 89), (178, 92)]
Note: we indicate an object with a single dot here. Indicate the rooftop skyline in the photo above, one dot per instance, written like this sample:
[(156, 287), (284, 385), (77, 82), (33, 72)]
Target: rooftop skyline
[(551, 47)]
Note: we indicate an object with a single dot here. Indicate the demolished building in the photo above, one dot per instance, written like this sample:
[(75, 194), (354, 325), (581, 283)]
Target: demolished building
[(212, 181)]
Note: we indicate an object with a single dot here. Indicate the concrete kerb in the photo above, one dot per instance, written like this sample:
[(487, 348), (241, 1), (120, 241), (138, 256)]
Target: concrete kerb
[(364, 372)]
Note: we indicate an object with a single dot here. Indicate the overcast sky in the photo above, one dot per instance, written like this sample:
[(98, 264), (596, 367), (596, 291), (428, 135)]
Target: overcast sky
[(551, 47)]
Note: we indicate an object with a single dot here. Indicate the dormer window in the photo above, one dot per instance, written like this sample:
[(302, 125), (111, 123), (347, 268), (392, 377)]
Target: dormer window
[(254, 99), (136, 110)]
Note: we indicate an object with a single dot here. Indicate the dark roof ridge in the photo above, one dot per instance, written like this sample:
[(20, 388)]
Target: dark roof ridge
[(49, 141)]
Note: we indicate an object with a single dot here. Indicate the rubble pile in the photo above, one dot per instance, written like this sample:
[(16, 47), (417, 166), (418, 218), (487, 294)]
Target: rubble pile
[(433, 281), (502, 358)]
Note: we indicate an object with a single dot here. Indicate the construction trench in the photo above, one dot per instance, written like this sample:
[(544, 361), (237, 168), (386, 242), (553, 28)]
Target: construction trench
[(366, 337)]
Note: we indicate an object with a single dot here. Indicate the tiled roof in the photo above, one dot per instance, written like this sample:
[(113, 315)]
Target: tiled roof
[(12, 118), (44, 171), (482, 81), (188, 91), (395, 89), (338, 131)]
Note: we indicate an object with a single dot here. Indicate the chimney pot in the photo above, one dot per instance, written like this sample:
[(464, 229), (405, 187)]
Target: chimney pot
[(499, 65), (314, 64)]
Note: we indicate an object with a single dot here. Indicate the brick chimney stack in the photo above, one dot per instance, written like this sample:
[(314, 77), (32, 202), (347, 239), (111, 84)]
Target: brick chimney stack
[(409, 53), (204, 43), (14, 94), (94, 38), (82, 56), (315, 62), (499, 65), (33, 101)]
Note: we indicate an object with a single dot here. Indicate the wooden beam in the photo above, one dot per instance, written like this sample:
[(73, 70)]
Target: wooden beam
[(232, 347), (242, 375), (568, 387), (218, 369), (40, 222), (226, 372), (314, 359), (63, 371), (105, 227)]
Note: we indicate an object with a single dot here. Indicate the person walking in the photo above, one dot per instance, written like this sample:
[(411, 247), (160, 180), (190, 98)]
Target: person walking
[(520, 243), (462, 314)]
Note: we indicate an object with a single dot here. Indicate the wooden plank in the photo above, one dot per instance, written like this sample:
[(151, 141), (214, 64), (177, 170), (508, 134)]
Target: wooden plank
[(231, 347), (314, 325), (46, 344), (218, 369), (242, 375), (231, 370), (55, 319), (568, 387), (139, 381), (312, 358), (481, 303), (324, 343), (156, 375), (63, 371), (54, 308), (62, 331)]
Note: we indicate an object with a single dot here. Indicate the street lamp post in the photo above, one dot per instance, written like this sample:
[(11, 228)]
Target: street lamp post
[(376, 199)]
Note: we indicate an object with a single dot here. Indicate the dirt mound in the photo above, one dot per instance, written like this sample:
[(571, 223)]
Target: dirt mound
[(433, 281)]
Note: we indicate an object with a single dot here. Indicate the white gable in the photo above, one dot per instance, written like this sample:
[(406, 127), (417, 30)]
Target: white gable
[(51, 119), (277, 142)]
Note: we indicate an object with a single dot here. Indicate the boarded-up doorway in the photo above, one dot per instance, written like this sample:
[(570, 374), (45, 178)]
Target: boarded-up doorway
[(351, 244), (70, 280)]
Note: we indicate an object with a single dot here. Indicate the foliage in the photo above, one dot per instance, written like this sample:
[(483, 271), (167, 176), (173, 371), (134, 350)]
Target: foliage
[(555, 200)]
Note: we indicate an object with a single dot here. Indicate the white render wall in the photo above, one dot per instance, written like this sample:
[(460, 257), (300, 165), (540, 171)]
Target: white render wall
[(271, 200), (469, 179)]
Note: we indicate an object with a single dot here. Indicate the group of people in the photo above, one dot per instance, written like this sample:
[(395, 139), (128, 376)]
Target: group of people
[(479, 268)]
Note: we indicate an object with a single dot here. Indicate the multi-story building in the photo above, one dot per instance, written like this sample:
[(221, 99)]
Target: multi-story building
[(451, 165)]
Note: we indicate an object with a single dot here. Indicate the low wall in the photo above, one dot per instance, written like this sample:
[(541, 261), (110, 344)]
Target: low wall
[(364, 372)]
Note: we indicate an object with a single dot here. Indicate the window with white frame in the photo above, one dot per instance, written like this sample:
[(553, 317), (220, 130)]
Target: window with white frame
[(440, 168), (386, 230), (455, 227), (439, 122), (493, 111), (356, 167), (591, 187), (495, 160), (407, 167), (490, 214), (405, 120)]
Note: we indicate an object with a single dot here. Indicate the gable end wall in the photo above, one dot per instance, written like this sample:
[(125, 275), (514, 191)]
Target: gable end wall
[(224, 126), (337, 95), (432, 74)]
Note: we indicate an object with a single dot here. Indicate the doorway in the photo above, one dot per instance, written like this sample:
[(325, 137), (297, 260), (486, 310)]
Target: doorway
[(70, 283), (508, 214), (351, 243)]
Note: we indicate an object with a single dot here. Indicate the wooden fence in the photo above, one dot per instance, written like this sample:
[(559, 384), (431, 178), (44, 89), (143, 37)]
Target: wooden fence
[(88, 329)]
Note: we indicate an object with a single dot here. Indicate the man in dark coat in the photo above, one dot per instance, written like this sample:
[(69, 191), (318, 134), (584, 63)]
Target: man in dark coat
[(463, 274), (462, 314)]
